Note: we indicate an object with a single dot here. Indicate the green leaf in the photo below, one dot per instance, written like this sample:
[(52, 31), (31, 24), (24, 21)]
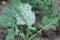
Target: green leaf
[(7, 11), (14, 12), (26, 12), (6, 21), (10, 35), (45, 20), (52, 24)]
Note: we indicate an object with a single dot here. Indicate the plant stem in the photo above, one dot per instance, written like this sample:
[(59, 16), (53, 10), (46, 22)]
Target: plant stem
[(35, 34), (27, 33)]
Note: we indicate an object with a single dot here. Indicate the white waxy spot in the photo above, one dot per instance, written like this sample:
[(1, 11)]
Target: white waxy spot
[(3, 2)]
